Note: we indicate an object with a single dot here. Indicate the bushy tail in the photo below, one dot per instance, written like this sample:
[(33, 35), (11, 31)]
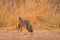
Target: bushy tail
[(20, 19)]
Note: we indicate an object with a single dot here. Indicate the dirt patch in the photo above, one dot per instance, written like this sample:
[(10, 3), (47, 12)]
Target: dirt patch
[(36, 35)]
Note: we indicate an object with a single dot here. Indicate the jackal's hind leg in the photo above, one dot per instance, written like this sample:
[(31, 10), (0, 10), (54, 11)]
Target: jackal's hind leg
[(18, 27), (21, 28)]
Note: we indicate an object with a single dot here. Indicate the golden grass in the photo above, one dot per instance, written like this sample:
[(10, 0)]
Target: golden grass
[(40, 14)]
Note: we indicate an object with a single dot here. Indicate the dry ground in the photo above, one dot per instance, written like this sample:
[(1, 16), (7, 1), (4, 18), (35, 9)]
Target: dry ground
[(44, 15), (36, 35)]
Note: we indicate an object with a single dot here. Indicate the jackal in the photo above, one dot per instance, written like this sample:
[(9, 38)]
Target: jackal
[(24, 23)]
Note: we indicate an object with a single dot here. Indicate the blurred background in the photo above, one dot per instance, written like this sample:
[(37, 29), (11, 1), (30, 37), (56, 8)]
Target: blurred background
[(42, 14)]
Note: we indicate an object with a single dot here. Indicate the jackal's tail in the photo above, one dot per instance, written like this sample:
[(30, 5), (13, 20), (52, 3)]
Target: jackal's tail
[(20, 18)]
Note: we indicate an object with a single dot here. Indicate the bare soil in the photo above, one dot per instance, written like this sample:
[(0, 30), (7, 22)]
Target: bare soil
[(36, 35)]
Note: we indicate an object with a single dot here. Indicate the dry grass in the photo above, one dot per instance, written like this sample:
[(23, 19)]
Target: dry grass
[(42, 14)]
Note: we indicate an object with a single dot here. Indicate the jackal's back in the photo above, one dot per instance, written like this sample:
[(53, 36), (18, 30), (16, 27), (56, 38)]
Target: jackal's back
[(24, 22)]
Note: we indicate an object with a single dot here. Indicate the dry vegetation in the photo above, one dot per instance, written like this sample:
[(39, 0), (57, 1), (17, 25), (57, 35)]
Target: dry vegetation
[(38, 12), (43, 15)]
